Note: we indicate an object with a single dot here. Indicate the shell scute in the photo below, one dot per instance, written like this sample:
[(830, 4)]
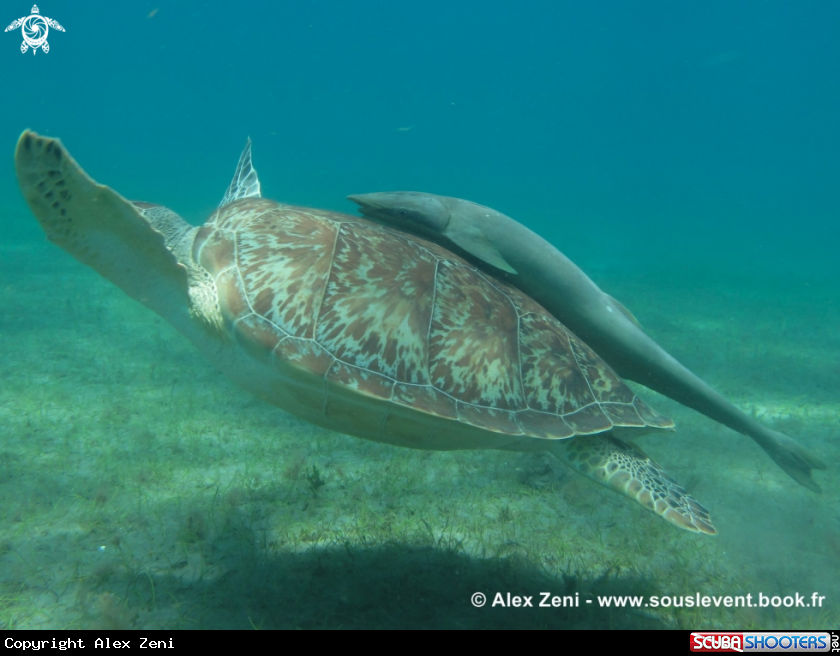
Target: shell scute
[(214, 249), (378, 302), (232, 300), (426, 399), (283, 260), (604, 382), (473, 346), (543, 425), (493, 419), (365, 382), (588, 420), (304, 354), (257, 336), (554, 381), (650, 416), (623, 414)]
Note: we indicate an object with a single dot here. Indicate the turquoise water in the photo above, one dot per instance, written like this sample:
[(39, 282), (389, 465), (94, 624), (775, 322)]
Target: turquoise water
[(683, 155)]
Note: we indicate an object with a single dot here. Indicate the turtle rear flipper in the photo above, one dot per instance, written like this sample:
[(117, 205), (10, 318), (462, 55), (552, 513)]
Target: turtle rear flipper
[(100, 228), (625, 468)]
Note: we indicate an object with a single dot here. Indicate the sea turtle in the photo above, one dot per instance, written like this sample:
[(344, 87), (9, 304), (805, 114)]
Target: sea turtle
[(358, 327), (35, 29), (533, 265)]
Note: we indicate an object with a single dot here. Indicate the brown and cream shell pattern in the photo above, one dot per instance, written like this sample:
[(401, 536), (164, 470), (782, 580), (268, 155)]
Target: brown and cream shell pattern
[(397, 318)]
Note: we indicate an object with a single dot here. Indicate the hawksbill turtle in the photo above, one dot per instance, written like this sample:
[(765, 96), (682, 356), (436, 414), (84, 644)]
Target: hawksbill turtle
[(358, 327), (35, 29)]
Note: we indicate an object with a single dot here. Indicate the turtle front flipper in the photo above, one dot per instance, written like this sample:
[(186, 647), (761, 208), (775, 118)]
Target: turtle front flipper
[(102, 229), (625, 468), (245, 183)]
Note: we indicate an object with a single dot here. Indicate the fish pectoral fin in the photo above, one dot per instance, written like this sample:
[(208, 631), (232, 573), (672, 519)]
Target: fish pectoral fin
[(478, 244), (627, 313)]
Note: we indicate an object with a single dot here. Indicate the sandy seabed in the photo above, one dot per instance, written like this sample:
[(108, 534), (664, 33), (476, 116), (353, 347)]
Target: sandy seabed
[(140, 489)]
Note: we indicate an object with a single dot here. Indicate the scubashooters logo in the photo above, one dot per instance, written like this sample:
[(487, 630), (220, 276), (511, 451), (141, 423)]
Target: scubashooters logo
[(792, 641), (34, 29)]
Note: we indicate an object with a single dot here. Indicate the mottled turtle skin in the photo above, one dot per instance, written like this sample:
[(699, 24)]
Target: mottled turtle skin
[(359, 327)]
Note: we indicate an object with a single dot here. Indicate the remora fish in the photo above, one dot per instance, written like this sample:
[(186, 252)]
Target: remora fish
[(548, 276)]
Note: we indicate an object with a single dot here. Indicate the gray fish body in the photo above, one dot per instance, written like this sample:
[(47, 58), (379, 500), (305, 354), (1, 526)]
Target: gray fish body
[(548, 276)]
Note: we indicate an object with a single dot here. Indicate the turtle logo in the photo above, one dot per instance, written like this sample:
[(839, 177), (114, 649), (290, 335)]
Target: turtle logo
[(35, 29)]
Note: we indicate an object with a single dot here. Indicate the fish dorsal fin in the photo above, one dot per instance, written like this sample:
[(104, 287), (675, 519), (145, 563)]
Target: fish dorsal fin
[(627, 313), (476, 243), (245, 183)]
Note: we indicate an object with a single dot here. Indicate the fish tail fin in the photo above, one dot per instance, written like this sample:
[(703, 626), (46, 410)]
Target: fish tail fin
[(797, 461)]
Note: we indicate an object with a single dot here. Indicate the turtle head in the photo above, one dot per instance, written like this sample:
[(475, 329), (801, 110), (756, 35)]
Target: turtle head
[(410, 210)]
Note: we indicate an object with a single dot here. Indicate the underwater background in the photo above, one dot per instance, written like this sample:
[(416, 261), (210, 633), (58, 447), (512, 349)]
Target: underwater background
[(684, 154)]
